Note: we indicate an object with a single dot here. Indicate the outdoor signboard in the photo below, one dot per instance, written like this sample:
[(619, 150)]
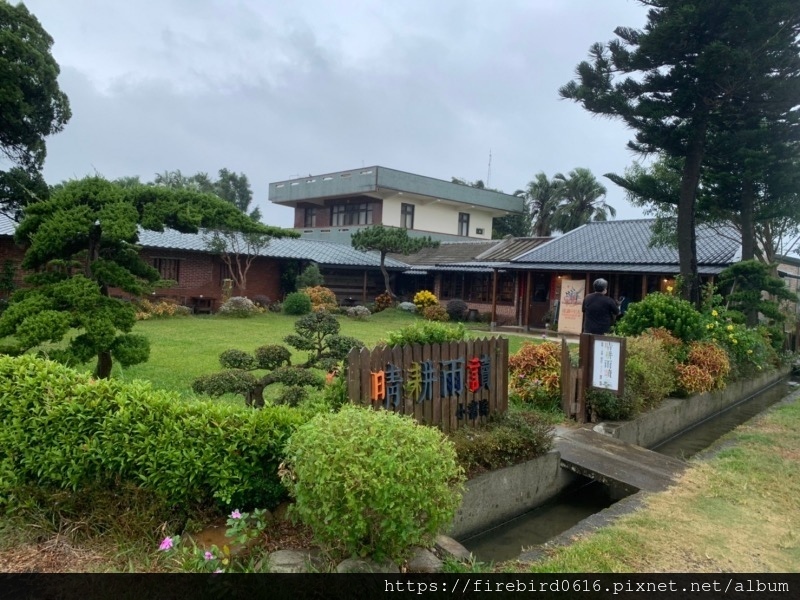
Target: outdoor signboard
[(570, 309), (608, 363)]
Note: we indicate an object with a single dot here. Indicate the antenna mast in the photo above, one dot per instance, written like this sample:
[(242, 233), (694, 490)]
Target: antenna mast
[(489, 170)]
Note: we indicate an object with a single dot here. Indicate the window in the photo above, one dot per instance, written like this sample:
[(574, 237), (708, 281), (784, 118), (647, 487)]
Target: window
[(463, 224), (310, 217), (168, 268), (351, 214), (407, 216)]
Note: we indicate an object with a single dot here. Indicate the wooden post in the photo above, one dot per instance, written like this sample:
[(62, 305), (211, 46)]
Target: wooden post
[(364, 290), (644, 286), (526, 310), (494, 299), (585, 353)]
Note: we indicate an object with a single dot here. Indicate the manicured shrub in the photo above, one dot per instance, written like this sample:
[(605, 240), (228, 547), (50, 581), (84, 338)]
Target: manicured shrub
[(427, 332), (407, 307), (372, 483), (237, 359), (322, 298), (272, 356), (238, 306), (297, 303), (662, 310), (534, 374), (437, 312), (424, 298), (360, 313), (457, 310), (383, 301), (310, 277), (63, 430), (508, 439), (649, 371)]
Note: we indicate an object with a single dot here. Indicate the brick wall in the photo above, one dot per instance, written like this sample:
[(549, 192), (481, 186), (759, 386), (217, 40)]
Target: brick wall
[(201, 274)]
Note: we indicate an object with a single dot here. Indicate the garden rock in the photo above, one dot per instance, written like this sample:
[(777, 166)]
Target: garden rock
[(448, 547), (365, 565), (424, 561), (292, 561)]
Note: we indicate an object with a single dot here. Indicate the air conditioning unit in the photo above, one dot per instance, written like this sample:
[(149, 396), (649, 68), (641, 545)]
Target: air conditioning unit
[(479, 231)]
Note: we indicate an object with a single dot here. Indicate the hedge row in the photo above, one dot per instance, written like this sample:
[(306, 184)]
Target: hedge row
[(64, 430)]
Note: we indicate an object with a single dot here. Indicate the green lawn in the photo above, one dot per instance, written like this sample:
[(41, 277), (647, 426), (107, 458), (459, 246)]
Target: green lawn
[(184, 348)]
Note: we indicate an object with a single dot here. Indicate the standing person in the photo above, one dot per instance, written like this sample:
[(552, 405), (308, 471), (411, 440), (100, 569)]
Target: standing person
[(599, 311)]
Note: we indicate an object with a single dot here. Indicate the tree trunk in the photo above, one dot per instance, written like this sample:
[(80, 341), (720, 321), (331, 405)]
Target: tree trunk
[(687, 236), (386, 281), (748, 234), (104, 362)]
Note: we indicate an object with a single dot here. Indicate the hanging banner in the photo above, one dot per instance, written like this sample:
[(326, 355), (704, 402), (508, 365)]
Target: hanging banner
[(570, 309)]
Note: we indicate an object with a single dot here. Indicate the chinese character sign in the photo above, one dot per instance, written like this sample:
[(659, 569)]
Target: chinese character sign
[(606, 364)]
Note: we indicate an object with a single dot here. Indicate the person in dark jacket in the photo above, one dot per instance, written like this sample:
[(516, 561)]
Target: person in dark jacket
[(599, 311)]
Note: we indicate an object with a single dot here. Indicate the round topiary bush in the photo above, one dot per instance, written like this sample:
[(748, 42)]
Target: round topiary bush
[(297, 303), (370, 482), (457, 309), (663, 310), (238, 306), (360, 313), (407, 307), (436, 312)]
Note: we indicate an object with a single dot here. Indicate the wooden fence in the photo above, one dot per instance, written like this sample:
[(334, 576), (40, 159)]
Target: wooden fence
[(446, 385)]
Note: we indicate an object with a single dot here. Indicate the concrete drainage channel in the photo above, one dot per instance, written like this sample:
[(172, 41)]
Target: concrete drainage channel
[(539, 504)]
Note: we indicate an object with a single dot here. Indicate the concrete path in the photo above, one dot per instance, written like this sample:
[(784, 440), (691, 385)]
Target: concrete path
[(615, 463)]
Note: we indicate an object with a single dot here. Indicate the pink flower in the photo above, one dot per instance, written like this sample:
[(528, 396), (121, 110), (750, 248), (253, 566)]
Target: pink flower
[(236, 514), (208, 555), (219, 571), (166, 544)]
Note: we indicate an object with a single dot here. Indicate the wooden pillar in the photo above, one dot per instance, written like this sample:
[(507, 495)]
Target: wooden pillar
[(526, 309), (364, 290), (585, 353), (644, 286), (494, 299)]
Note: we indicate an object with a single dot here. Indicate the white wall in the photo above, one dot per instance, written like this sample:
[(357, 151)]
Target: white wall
[(439, 217)]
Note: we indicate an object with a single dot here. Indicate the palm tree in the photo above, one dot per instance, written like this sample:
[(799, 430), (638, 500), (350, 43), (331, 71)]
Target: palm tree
[(543, 196), (583, 201)]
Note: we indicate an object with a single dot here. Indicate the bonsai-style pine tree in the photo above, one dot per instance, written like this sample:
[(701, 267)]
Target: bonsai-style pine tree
[(316, 333), (82, 243), (386, 240)]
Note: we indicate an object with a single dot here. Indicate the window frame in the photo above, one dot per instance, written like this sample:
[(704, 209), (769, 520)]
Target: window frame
[(406, 214), (463, 224)]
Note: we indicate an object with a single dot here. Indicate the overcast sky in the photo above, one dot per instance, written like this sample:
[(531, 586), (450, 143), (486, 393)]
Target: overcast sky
[(278, 89)]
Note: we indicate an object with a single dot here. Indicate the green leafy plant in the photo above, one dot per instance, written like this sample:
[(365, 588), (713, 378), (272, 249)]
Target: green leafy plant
[(427, 332), (297, 303), (507, 439), (310, 277), (63, 430), (649, 370), (663, 310), (372, 482), (607, 405), (243, 527)]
